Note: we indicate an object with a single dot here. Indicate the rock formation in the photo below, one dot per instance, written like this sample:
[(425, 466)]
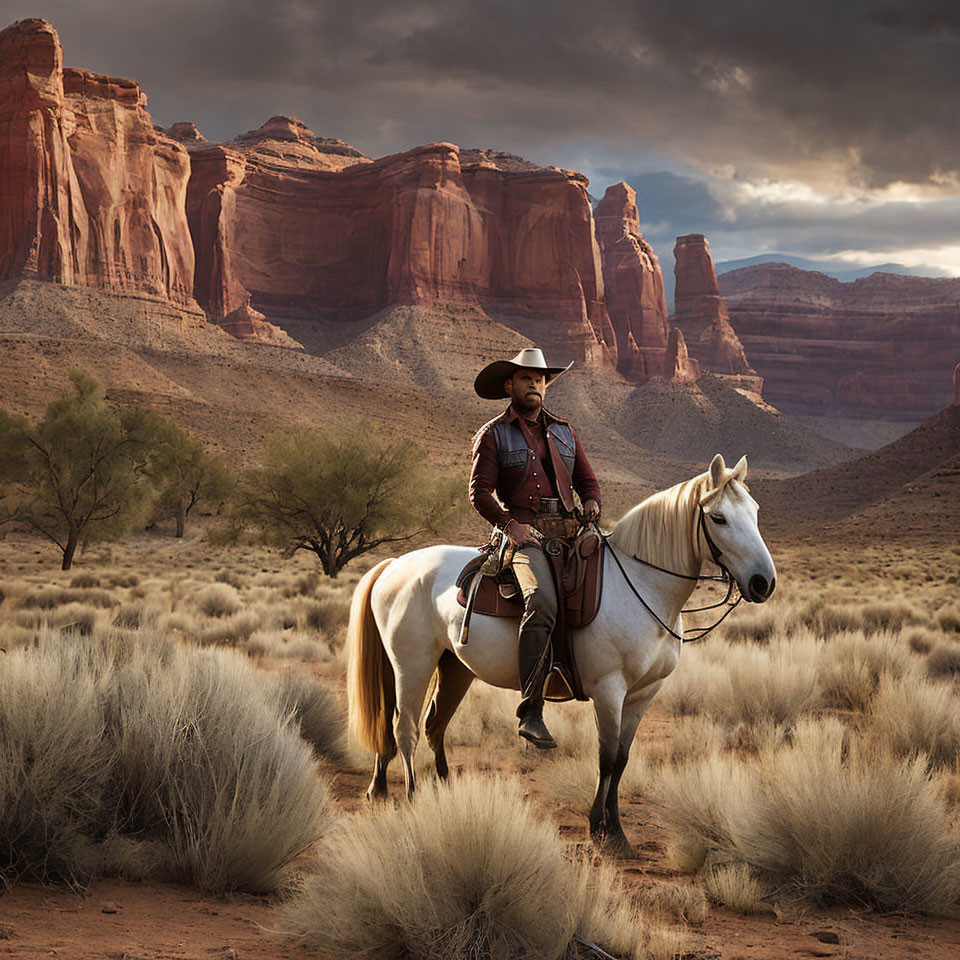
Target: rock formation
[(92, 194), (633, 286), (883, 346), (700, 312), (289, 226), (956, 384), (678, 365)]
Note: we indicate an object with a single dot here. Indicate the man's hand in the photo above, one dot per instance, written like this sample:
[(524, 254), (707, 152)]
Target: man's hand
[(519, 533), (591, 510)]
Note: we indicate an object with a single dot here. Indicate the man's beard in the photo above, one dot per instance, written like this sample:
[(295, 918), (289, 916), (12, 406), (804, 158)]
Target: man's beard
[(528, 403)]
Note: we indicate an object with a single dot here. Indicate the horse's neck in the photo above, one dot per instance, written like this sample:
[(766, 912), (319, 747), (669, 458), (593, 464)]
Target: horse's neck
[(672, 592)]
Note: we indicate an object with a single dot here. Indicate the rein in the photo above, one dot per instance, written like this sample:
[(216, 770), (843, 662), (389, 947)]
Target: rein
[(726, 578)]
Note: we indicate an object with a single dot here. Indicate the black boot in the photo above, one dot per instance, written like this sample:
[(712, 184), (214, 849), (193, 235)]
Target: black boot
[(535, 662)]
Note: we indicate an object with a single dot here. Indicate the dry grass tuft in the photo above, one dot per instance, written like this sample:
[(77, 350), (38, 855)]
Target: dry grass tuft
[(736, 886), (833, 822), (948, 618), (329, 613), (922, 640), (467, 870), (944, 661), (129, 739), (317, 712), (908, 718), (218, 600), (680, 901)]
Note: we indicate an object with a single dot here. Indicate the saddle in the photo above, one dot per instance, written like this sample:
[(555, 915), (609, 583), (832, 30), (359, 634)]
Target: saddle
[(487, 585)]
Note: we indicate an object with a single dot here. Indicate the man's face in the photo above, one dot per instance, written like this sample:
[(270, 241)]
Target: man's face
[(526, 389)]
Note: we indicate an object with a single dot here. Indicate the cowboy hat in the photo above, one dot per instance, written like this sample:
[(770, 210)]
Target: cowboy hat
[(489, 382)]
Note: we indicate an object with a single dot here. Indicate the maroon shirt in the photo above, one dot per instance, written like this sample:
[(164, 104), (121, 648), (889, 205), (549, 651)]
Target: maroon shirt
[(501, 495)]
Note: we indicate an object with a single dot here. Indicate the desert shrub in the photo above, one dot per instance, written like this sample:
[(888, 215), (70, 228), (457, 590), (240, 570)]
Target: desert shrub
[(757, 625), (53, 597), (318, 713), (123, 580), (230, 578), (327, 614), (231, 631), (110, 743), (130, 616), (911, 717), (948, 618), (695, 679), (852, 666), (218, 600), (305, 586), (833, 822), (465, 870), (774, 683), (678, 900), (922, 640), (84, 581), (736, 886), (75, 617), (885, 616), (944, 660), (831, 620)]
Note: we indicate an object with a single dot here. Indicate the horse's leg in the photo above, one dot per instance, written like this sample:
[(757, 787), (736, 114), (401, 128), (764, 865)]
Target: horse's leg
[(453, 681), (378, 785), (634, 707), (412, 683), (608, 707)]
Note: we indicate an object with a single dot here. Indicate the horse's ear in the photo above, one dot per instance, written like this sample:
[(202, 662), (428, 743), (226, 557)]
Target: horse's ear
[(717, 466), (740, 470)]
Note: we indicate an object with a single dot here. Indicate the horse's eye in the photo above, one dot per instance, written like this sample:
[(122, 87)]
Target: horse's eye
[(718, 518)]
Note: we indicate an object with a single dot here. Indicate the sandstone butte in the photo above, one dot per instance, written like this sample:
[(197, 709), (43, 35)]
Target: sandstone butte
[(635, 296), (883, 346), (92, 194), (701, 314)]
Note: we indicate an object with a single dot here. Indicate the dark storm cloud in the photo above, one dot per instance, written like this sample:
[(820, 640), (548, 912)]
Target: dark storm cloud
[(759, 85)]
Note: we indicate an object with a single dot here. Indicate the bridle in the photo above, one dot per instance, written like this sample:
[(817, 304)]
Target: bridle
[(727, 578)]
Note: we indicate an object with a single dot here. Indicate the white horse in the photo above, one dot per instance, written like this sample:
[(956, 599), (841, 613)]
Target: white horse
[(405, 627)]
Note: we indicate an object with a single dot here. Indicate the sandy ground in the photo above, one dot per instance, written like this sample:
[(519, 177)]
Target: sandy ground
[(150, 921)]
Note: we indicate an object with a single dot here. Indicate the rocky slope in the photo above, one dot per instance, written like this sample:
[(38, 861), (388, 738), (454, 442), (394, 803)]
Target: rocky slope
[(883, 346), (908, 488)]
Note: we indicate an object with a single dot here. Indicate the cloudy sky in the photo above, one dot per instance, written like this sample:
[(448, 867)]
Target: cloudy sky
[(822, 128)]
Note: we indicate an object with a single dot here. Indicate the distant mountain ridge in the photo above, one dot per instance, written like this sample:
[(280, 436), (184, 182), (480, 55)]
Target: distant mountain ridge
[(832, 267)]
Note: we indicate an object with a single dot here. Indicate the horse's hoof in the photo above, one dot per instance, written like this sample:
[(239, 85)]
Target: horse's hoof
[(618, 847)]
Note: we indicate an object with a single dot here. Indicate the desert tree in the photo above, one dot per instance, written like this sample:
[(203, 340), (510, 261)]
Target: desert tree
[(76, 475), (183, 471), (339, 493)]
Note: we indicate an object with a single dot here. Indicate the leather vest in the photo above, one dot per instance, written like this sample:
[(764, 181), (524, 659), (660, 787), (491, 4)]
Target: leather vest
[(514, 458)]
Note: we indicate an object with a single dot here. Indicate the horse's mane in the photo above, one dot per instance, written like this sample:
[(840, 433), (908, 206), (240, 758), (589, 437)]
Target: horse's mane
[(659, 529)]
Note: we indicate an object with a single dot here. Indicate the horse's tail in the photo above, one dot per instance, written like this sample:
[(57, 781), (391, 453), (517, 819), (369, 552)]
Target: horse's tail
[(371, 686)]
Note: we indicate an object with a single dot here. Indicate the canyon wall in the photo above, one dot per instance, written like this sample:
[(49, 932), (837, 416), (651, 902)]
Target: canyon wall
[(91, 193), (284, 227), (883, 346)]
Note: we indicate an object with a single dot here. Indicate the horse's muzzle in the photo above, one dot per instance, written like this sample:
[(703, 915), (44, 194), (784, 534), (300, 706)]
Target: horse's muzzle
[(760, 589)]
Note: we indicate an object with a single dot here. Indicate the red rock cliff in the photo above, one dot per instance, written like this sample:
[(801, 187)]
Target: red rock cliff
[(700, 312), (289, 225), (882, 346), (91, 193), (633, 284)]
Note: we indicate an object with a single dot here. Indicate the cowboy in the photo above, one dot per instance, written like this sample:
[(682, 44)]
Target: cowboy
[(527, 464)]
